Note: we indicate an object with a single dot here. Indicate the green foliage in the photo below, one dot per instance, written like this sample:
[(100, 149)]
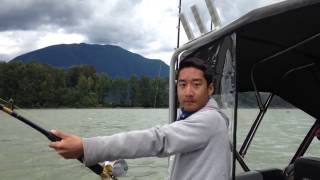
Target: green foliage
[(249, 100), (38, 85)]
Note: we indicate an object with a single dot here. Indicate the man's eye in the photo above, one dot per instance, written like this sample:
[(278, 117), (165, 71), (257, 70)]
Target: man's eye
[(197, 84)]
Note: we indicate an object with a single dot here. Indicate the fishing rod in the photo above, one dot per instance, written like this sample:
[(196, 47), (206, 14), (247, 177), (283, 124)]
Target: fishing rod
[(104, 172), (178, 27)]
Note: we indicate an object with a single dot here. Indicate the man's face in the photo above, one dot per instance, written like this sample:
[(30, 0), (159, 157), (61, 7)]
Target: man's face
[(193, 91)]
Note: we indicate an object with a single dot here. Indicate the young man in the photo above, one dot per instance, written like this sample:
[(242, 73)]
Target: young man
[(198, 139)]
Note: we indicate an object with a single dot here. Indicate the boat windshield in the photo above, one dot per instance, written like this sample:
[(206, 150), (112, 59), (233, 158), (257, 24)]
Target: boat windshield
[(278, 136)]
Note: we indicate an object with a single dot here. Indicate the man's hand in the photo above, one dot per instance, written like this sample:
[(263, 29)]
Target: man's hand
[(70, 147)]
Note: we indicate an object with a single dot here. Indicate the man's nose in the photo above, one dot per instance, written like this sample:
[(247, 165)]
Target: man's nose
[(189, 90)]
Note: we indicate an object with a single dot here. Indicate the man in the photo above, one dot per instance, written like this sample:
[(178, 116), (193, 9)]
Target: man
[(198, 139)]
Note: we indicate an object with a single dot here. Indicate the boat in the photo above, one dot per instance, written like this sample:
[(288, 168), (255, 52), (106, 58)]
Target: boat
[(272, 51)]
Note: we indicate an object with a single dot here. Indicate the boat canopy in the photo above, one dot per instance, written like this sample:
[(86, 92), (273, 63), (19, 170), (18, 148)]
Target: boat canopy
[(276, 51), (273, 49)]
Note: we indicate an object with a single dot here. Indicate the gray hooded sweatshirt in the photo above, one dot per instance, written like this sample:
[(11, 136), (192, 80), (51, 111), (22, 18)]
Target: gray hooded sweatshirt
[(200, 144)]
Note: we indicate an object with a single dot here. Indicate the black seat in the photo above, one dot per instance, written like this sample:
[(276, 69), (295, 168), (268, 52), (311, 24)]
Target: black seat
[(272, 174), (264, 174), (250, 175), (307, 168)]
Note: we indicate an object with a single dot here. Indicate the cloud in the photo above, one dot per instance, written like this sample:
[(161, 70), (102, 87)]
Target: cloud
[(131, 24), (3, 57), (34, 14), (143, 26), (233, 9), (17, 42)]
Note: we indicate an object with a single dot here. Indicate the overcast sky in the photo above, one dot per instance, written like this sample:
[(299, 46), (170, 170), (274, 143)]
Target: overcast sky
[(146, 27)]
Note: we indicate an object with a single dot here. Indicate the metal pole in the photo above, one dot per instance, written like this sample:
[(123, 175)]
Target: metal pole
[(254, 127)]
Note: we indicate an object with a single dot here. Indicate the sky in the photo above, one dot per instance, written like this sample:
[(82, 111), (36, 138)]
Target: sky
[(146, 27)]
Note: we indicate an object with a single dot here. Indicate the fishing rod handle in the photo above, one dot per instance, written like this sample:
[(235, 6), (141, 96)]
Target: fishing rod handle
[(97, 168), (53, 137)]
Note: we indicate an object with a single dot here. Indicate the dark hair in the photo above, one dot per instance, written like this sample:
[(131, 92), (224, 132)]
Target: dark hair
[(199, 64)]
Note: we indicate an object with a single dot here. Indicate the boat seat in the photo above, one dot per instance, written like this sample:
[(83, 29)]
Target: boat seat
[(272, 174), (265, 174), (307, 168), (250, 175)]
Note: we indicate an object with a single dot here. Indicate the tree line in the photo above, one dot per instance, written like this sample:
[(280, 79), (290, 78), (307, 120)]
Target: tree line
[(34, 85), (249, 100)]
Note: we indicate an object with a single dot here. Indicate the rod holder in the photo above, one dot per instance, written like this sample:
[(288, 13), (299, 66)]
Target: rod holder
[(186, 26), (198, 19), (214, 14)]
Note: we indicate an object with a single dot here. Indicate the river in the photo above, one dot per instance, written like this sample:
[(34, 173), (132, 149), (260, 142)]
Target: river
[(24, 153)]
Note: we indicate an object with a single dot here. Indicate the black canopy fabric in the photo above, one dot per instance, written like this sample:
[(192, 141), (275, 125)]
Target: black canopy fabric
[(277, 49)]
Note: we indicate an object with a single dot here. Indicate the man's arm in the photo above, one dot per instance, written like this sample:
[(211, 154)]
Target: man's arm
[(179, 137)]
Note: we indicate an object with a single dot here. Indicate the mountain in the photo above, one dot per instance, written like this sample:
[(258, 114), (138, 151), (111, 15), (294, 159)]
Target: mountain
[(112, 60)]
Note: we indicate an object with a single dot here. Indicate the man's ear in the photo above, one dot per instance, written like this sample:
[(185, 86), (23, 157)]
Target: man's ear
[(210, 89)]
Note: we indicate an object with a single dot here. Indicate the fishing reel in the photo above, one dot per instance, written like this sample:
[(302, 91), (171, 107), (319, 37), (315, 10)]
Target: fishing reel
[(114, 169)]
